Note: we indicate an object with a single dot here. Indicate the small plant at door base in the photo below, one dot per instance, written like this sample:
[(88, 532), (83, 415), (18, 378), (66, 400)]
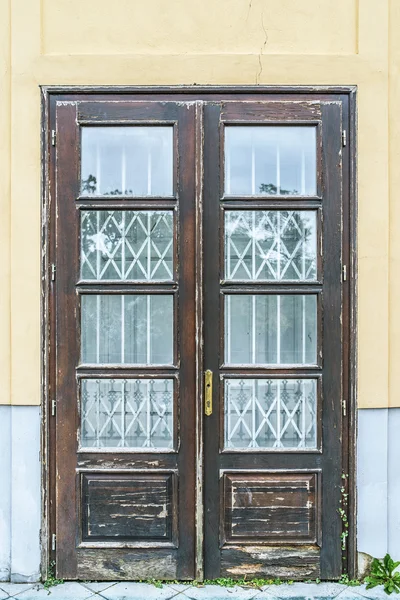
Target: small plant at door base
[(345, 580), (225, 582), (157, 582), (51, 578), (242, 581), (383, 572)]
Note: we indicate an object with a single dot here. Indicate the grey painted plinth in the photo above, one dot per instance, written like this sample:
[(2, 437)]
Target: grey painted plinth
[(20, 497)]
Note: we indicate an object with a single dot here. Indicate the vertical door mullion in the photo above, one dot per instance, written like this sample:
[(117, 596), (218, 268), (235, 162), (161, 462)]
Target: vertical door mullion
[(67, 259), (213, 325), (331, 555)]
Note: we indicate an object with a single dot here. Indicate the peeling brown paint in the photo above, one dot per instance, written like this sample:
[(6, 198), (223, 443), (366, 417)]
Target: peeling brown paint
[(274, 561)]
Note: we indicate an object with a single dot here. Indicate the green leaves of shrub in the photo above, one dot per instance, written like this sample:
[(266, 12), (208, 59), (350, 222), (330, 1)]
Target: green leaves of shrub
[(383, 573)]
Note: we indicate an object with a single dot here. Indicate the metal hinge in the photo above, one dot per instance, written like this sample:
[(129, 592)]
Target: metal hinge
[(344, 272), (344, 137), (53, 272), (344, 407), (53, 408), (53, 137), (53, 541)]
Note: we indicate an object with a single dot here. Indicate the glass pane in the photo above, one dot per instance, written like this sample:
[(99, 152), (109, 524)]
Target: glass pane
[(126, 245), (270, 329), (130, 161), (271, 245), (127, 329), (270, 413), (127, 413), (270, 160)]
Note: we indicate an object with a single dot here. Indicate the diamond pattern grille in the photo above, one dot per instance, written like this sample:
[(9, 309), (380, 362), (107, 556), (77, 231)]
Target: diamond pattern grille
[(127, 413), (127, 245), (270, 413), (270, 245)]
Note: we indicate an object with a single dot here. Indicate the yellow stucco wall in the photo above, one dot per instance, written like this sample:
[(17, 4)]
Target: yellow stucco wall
[(290, 42)]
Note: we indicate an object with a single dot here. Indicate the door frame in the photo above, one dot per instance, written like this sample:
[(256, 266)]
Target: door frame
[(49, 96)]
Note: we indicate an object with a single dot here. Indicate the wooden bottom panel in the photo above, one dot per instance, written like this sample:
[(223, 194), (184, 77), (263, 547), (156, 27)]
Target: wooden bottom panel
[(130, 508), (271, 562), (118, 564), (281, 508)]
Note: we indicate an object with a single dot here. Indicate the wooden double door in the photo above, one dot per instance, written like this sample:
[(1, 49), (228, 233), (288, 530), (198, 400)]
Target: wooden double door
[(198, 351)]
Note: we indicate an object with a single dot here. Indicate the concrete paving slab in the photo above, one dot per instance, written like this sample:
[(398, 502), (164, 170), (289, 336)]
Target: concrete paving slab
[(215, 592), (342, 596), (98, 586), (317, 591), (65, 591), (377, 593), (138, 591), (13, 589), (111, 590), (350, 594), (179, 587)]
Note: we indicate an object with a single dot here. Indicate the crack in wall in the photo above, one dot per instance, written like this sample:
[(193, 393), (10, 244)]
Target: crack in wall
[(261, 53)]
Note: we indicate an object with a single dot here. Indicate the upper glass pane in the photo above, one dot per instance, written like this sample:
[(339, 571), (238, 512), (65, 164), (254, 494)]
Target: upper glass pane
[(127, 329), (127, 245), (129, 161), (270, 160), (272, 329), (270, 245)]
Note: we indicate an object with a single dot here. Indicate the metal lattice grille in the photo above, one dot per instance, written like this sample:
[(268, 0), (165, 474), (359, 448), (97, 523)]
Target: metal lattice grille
[(270, 413), (270, 245), (127, 413), (127, 245)]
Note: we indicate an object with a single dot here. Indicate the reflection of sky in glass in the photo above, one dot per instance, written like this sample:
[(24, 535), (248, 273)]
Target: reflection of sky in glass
[(127, 329), (130, 161), (270, 160), (270, 329)]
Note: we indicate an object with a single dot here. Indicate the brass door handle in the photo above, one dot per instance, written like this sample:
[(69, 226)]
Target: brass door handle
[(208, 392)]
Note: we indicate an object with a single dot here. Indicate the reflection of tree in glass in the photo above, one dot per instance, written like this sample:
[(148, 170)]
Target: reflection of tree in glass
[(89, 185), (293, 225), (270, 188), (118, 192), (118, 238), (295, 222)]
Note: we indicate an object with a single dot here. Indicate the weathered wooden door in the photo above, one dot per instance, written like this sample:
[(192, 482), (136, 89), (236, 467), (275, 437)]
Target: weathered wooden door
[(197, 345), (125, 340), (273, 339)]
